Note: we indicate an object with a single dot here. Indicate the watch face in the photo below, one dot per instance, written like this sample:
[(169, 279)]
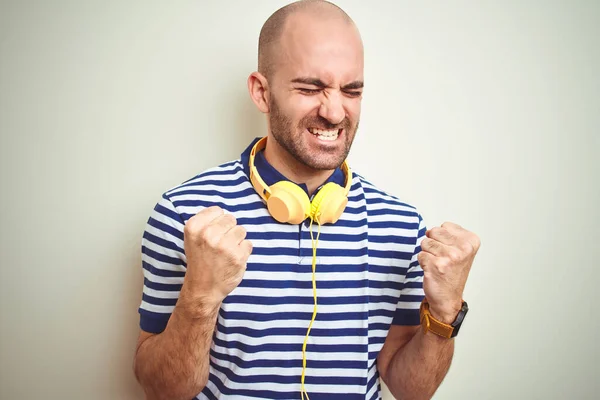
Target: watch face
[(459, 318)]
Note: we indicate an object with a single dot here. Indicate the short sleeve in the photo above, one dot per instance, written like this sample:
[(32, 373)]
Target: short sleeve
[(411, 294), (164, 265)]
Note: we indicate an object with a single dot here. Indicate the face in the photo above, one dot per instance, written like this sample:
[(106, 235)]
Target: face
[(316, 91)]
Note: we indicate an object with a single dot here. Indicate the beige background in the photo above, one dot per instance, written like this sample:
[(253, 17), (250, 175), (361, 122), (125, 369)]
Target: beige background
[(484, 113)]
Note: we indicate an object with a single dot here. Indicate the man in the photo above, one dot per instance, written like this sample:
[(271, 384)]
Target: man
[(231, 286)]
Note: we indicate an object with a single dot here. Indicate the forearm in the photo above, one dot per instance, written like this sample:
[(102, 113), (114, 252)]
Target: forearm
[(418, 368), (175, 364)]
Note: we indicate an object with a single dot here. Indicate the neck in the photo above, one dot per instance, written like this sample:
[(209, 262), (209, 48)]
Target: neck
[(294, 170)]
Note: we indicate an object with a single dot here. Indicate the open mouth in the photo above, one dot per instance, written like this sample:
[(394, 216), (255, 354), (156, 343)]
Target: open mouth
[(326, 135)]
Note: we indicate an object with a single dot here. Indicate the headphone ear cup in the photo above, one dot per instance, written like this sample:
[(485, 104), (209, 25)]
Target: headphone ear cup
[(288, 203), (329, 204)]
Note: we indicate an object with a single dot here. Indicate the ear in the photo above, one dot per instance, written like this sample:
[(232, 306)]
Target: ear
[(258, 87)]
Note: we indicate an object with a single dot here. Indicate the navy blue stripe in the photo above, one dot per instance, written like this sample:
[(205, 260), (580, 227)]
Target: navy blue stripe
[(381, 312), (385, 211), (291, 284), (378, 326), (212, 192), (325, 237), (341, 284), (165, 287), (253, 206), (259, 317), (288, 331), (161, 257), (282, 300), (410, 240), (233, 181), (209, 394), (373, 340), (411, 298), (406, 317), (384, 269), (389, 284), (414, 273), (394, 255), (159, 208), (158, 301), (162, 242), (322, 268), (413, 285), (317, 348), (166, 273), (298, 268), (394, 224), (165, 228), (387, 200)]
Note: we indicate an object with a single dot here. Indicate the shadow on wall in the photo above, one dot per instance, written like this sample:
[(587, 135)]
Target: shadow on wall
[(247, 124)]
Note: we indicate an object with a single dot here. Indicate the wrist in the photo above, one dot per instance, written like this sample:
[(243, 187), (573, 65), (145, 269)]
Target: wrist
[(446, 313), (195, 306)]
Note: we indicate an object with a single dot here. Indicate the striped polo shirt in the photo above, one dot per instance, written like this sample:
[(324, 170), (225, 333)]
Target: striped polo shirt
[(367, 274)]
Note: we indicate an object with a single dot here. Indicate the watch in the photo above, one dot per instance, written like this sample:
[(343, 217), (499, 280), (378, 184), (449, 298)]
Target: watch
[(430, 324)]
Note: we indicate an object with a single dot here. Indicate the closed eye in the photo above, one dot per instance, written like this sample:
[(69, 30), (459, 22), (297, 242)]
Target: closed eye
[(309, 91), (353, 93)]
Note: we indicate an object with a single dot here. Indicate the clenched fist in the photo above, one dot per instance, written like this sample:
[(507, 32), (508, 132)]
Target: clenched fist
[(216, 252), (446, 258)]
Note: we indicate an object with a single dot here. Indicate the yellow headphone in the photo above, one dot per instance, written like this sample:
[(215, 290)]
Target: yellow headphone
[(288, 203)]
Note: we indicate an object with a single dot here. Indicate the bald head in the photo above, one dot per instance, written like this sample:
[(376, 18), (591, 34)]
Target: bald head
[(278, 23)]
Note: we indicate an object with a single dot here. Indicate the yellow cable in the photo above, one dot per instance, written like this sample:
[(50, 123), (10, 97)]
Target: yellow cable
[(315, 243)]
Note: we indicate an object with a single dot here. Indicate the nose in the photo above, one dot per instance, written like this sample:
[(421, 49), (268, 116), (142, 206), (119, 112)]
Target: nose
[(332, 108)]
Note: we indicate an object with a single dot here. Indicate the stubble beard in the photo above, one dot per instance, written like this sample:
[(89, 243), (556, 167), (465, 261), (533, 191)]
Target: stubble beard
[(292, 139)]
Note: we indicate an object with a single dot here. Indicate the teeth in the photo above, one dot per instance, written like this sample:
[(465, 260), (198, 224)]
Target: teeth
[(323, 134)]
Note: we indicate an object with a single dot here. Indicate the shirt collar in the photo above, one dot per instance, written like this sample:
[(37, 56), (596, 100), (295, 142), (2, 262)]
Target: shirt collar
[(271, 176)]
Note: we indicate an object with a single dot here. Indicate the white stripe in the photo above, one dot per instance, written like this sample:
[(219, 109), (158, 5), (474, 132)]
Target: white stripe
[(294, 323), (164, 235), (161, 294), (324, 260), (177, 194), (307, 292), (162, 265), (269, 309), (165, 219), (303, 276), (156, 308), (292, 371), (163, 251), (409, 305), (171, 280), (379, 319)]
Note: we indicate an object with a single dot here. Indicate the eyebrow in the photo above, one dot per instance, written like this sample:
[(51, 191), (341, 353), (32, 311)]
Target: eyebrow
[(319, 83)]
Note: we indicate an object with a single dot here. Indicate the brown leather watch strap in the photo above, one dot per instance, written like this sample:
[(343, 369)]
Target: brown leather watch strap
[(431, 324)]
